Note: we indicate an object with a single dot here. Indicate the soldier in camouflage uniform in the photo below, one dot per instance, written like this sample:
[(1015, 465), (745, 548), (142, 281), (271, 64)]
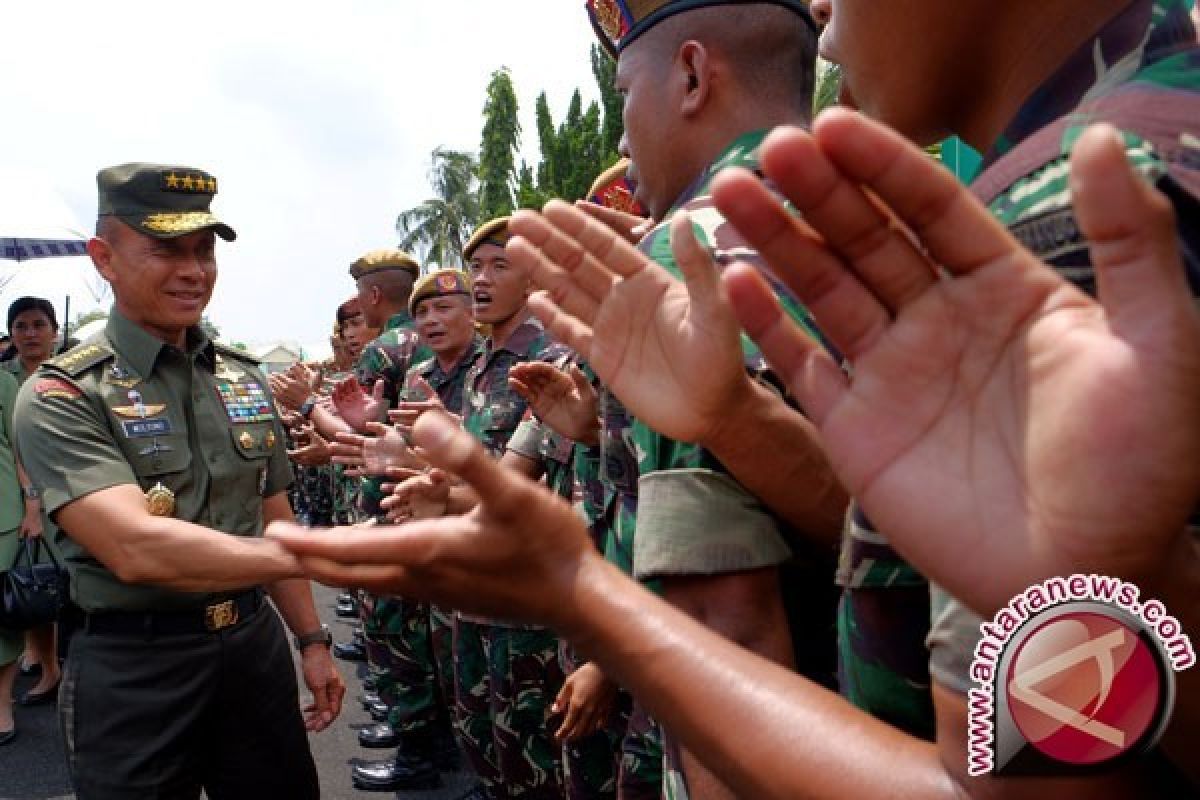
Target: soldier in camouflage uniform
[(506, 675), (697, 530), (395, 631)]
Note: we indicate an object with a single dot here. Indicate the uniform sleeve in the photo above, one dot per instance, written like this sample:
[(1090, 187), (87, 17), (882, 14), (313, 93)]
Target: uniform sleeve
[(527, 439), (953, 634), (65, 442)]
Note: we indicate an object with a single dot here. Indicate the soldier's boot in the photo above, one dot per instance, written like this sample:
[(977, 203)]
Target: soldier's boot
[(378, 736), (411, 768)]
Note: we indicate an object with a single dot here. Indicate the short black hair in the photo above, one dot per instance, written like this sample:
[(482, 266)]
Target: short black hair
[(23, 304)]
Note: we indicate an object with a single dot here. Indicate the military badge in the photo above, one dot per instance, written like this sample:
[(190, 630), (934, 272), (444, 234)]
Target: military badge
[(269, 439), (245, 402), (56, 387), (160, 501), (226, 372), (611, 18), (119, 376), (447, 282), (139, 428), (246, 440)]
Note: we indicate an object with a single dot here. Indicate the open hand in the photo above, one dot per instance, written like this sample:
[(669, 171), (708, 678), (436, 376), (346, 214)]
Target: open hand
[(563, 399), (999, 426)]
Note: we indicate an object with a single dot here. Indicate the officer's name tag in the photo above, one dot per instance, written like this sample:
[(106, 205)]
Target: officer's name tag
[(137, 428)]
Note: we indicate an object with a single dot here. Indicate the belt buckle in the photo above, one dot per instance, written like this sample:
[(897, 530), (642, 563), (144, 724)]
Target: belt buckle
[(220, 615)]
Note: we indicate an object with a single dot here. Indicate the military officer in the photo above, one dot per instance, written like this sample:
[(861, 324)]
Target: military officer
[(160, 457)]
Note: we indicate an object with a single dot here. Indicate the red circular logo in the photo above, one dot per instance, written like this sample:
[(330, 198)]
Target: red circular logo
[(1083, 688)]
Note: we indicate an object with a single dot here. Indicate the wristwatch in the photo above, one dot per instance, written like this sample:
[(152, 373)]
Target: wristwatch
[(31, 492), (307, 406), (319, 636)]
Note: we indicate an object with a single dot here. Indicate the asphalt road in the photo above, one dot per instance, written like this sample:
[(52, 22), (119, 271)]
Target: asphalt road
[(33, 767)]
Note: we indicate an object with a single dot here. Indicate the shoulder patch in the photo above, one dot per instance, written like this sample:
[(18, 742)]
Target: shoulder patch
[(233, 352), (56, 387), (79, 359)]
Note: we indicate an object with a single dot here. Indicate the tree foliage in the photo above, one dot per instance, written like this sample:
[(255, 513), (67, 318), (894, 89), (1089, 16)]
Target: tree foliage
[(436, 230), (497, 149), (579, 148)]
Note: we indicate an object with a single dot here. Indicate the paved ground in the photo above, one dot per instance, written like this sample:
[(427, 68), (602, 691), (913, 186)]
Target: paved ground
[(32, 768)]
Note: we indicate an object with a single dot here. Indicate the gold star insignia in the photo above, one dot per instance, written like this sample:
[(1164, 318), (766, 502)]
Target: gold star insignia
[(172, 181), (187, 181), (212, 185)]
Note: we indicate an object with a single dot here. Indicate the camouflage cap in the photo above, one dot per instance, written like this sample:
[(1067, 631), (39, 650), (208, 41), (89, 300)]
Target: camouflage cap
[(384, 261), (619, 22), (160, 200), (493, 231), (439, 283), (613, 189)]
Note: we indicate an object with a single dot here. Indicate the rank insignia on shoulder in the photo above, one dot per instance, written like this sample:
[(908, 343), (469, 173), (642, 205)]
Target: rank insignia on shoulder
[(56, 387), (160, 501)]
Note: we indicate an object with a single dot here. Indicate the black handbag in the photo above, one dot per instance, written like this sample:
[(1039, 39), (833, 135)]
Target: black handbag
[(32, 593)]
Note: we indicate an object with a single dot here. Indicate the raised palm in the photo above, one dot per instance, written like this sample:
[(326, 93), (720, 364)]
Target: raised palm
[(998, 425), (563, 399), (669, 350)]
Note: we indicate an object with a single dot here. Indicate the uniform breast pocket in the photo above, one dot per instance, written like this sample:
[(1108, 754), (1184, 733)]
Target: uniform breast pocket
[(505, 411), (253, 444)]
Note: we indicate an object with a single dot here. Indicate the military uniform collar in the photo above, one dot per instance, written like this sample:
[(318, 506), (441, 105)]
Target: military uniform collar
[(141, 349), (401, 319), (433, 371), (522, 338), (1144, 32), (741, 152)]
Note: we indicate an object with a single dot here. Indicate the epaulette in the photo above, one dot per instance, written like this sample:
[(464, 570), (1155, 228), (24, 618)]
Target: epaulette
[(79, 359), (233, 352)]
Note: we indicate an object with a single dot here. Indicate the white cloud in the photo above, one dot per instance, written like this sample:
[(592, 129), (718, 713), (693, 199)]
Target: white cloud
[(317, 119)]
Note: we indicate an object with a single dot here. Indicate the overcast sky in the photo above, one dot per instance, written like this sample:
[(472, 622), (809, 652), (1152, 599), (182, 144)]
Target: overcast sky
[(316, 118)]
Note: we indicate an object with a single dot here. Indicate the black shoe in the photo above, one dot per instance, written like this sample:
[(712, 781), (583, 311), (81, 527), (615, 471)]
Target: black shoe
[(30, 669), (369, 683), (480, 792), (405, 771), (379, 711), (368, 699), (378, 736), (39, 698), (8, 737), (347, 609), (350, 651)]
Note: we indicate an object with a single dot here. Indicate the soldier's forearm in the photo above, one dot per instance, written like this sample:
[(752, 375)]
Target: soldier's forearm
[(777, 735), (776, 453), (293, 598)]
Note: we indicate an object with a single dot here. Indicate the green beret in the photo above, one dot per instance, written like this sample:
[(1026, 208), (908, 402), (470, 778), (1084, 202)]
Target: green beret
[(160, 200), (494, 231), (440, 283), (619, 22), (384, 261)]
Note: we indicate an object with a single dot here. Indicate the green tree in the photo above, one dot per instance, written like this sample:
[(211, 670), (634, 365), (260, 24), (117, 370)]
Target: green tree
[(501, 138), (829, 85), (436, 230), (604, 69)]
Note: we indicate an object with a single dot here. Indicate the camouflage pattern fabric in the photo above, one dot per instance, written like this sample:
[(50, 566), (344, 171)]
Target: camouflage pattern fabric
[(506, 676), (1145, 56)]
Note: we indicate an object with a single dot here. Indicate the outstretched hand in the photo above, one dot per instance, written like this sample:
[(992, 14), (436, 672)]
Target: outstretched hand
[(356, 407), (670, 351), (563, 399), (998, 425), (522, 553)]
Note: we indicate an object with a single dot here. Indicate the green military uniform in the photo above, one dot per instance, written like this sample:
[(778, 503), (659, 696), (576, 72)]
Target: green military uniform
[(1141, 73), (175, 682), (396, 629), (448, 384), (506, 675)]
